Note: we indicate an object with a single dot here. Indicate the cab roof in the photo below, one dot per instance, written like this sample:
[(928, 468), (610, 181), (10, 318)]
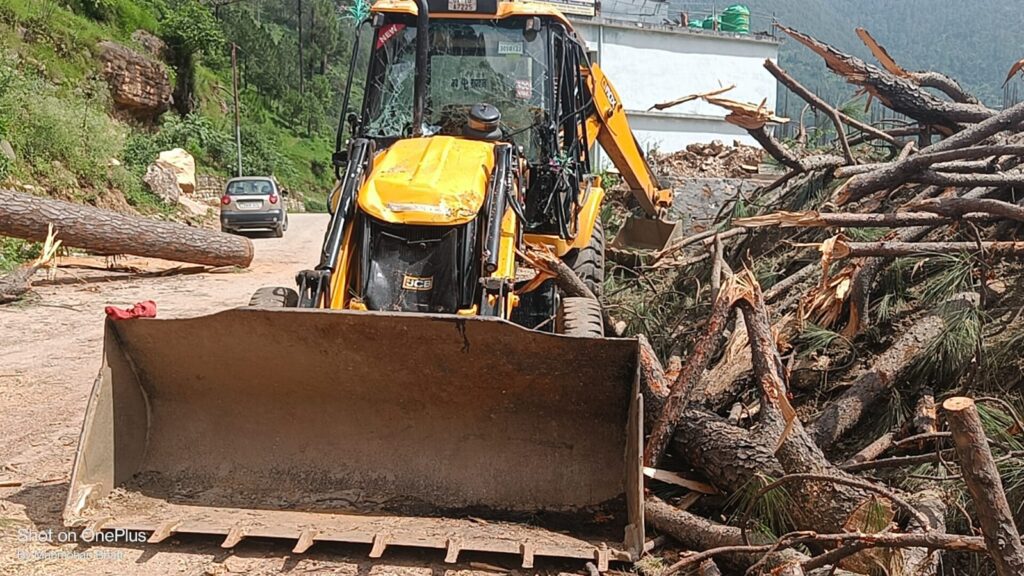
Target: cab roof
[(506, 9)]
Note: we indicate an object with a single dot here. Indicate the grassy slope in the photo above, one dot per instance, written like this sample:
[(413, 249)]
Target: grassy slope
[(49, 47)]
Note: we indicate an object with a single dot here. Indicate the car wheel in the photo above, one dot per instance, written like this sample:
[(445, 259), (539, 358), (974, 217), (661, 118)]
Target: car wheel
[(274, 297), (279, 231), (285, 222)]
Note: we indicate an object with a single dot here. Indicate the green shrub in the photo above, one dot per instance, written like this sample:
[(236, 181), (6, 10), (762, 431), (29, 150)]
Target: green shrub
[(314, 204), (56, 134), (14, 252)]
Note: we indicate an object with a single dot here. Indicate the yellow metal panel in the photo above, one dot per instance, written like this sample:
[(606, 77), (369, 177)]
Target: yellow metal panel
[(339, 280), (505, 10), (589, 214), (433, 181)]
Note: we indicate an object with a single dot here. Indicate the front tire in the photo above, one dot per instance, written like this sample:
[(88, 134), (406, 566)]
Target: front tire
[(588, 262), (274, 297), (580, 316)]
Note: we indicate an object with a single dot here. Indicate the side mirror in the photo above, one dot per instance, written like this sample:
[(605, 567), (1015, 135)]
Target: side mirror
[(284, 192)]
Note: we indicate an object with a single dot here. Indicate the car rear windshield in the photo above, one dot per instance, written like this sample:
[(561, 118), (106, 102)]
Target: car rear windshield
[(250, 187)]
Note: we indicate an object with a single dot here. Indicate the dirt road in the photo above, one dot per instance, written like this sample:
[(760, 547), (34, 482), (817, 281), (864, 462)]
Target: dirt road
[(49, 355)]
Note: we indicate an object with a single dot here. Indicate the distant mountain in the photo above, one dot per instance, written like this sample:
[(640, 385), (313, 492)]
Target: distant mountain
[(974, 41)]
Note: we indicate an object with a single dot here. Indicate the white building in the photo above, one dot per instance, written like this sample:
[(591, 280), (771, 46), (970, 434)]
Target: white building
[(650, 63)]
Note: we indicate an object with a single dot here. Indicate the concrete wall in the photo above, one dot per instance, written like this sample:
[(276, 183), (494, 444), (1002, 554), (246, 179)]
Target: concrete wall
[(650, 64)]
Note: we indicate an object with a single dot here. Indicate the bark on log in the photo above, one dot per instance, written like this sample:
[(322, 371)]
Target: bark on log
[(899, 94), (898, 173), (697, 533), (937, 160), (871, 451), (827, 506), (953, 207), (872, 385), (675, 403), (729, 456), (857, 249), (967, 180), (104, 231), (924, 413), (927, 78), (653, 386), (983, 482), (814, 100), (814, 219)]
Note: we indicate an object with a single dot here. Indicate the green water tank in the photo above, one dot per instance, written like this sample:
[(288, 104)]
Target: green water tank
[(736, 18)]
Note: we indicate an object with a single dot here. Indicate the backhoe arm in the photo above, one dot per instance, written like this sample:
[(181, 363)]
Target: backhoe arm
[(607, 125)]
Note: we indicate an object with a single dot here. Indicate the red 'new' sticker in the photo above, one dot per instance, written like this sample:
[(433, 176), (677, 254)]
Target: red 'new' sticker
[(388, 32)]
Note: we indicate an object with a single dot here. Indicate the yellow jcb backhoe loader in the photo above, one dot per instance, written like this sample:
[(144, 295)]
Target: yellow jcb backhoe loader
[(423, 386)]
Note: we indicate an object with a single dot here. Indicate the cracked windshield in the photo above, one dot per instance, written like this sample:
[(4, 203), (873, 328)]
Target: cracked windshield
[(487, 62)]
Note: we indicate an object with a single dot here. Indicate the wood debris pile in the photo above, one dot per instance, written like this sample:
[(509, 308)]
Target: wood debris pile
[(840, 357), (714, 160)]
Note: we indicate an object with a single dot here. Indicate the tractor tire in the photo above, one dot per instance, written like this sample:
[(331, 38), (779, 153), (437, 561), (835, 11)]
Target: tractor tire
[(578, 316), (274, 297), (588, 262)]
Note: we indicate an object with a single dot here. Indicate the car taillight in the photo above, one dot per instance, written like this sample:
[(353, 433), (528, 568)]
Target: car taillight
[(273, 198), (225, 200)]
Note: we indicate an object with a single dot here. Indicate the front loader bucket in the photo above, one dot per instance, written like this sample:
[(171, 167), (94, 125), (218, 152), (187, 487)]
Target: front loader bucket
[(645, 234), (376, 428)]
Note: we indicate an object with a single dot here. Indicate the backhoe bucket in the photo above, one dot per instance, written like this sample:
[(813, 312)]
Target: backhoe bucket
[(378, 428), (645, 234)]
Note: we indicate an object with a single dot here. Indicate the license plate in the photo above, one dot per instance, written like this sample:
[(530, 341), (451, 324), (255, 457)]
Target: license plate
[(249, 205)]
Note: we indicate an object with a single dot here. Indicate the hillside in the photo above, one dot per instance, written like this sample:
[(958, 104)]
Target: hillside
[(974, 41), (66, 134)]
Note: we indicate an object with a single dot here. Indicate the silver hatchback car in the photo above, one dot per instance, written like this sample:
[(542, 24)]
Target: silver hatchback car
[(253, 202)]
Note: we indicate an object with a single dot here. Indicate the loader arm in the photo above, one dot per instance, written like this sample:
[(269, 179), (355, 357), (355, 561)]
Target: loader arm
[(608, 126)]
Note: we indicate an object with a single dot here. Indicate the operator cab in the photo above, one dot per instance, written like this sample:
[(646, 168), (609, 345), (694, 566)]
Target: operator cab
[(522, 73)]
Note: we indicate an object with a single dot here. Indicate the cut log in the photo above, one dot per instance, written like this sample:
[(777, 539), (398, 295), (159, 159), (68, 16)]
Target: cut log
[(899, 172), (107, 232), (697, 533), (899, 94), (871, 451), (814, 219), (924, 413), (664, 427), (927, 78), (813, 99), (983, 482), (953, 207), (872, 385), (844, 249)]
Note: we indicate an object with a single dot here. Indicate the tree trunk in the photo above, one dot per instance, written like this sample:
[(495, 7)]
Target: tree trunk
[(983, 482), (675, 403), (872, 385), (856, 249), (107, 232)]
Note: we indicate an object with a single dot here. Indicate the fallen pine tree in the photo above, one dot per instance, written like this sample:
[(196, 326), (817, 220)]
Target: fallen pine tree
[(890, 262)]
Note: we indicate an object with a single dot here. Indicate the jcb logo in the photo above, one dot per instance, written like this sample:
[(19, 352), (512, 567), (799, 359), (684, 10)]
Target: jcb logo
[(418, 283)]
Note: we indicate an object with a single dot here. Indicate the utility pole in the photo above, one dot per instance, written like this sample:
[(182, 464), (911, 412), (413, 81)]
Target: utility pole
[(238, 119), (302, 88)]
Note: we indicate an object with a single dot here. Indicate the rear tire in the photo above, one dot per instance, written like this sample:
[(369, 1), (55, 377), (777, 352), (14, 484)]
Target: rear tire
[(285, 222), (580, 316), (588, 262), (274, 297), (279, 231)]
